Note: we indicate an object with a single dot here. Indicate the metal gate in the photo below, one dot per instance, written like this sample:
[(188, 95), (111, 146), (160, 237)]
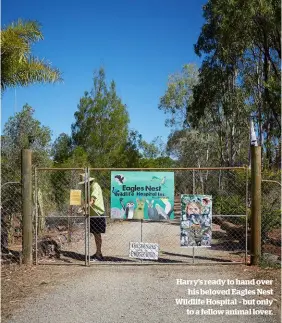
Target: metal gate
[(62, 234)]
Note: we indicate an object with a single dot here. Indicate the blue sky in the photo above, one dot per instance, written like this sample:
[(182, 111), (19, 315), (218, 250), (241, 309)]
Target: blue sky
[(139, 43)]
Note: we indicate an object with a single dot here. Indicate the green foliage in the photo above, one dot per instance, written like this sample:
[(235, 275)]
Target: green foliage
[(217, 131), (22, 131), (229, 205), (62, 148), (159, 162), (271, 201), (240, 73), (179, 95), (129, 154), (18, 66), (266, 263), (192, 148), (101, 126)]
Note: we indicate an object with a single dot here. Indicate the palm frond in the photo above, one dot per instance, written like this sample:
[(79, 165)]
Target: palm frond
[(18, 66)]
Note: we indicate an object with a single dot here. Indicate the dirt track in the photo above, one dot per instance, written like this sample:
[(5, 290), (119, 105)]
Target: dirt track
[(133, 294), (111, 292)]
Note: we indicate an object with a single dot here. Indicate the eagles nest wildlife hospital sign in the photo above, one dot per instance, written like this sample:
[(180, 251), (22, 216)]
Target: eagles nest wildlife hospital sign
[(142, 195)]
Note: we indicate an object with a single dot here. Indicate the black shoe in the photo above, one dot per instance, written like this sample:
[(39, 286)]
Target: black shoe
[(97, 257), (5, 251)]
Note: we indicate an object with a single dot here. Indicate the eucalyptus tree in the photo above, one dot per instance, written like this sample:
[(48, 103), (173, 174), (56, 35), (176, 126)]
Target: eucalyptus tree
[(240, 41), (209, 123)]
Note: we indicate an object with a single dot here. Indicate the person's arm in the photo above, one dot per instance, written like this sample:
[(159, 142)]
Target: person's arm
[(92, 200)]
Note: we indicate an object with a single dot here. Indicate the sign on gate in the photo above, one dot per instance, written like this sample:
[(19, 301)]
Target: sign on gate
[(75, 197), (196, 221), (142, 250), (142, 195)]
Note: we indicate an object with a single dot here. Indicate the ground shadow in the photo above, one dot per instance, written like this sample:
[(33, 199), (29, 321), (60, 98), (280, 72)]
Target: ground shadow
[(117, 259), (73, 255), (81, 257), (168, 261), (11, 256), (229, 245), (196, 257)]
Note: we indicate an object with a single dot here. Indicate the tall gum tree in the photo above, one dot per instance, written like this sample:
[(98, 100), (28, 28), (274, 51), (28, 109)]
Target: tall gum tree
[(240, 41)]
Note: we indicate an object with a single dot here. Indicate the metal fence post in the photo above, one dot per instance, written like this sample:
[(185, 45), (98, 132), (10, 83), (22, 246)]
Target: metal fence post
[(256, 205), (27, 206)]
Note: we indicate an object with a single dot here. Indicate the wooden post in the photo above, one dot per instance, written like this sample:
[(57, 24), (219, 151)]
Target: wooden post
[(256, 205), (27, 206)]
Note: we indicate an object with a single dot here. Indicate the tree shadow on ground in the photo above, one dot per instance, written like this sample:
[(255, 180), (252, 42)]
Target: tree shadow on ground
[(11, 256), (196, 257)]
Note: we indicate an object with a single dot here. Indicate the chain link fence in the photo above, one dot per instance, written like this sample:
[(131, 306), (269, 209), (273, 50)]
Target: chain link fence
[(271, 221), (11, 219), (228, 188), (59, 226), (63, 234), (61, 231)]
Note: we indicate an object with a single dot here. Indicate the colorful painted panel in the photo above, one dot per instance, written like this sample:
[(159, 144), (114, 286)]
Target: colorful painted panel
[(196, 221), (142, 195)]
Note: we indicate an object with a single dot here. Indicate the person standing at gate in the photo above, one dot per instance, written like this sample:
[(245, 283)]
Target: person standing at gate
[(97, 215)]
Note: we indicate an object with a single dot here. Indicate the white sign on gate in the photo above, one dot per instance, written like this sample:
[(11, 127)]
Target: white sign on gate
[(143, 250)]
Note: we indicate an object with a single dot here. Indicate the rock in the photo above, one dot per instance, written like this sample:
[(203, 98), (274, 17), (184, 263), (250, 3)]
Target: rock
[(269, 257), (48, 247)]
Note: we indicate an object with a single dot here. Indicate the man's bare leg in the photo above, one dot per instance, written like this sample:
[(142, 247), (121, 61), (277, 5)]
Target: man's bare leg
[(98, 241)]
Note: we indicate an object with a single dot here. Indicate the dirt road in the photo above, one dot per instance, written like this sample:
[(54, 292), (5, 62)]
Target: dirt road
[(121, 293), (111, 292)]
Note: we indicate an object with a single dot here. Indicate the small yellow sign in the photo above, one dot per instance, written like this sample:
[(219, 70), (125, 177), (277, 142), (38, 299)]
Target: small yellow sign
[(75, 197)]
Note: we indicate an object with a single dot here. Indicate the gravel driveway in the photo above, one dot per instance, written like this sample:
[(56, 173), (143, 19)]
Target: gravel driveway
[(144, 293), (126, 293)]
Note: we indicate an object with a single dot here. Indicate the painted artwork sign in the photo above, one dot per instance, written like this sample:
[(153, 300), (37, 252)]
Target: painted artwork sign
[(142, 195), (196, 221)]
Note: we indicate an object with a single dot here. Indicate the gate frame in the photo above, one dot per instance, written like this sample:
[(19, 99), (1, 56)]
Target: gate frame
[(36, 169), (87, 199), (193, 169)]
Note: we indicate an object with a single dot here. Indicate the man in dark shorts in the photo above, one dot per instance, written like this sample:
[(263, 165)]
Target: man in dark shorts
[(97, 216)]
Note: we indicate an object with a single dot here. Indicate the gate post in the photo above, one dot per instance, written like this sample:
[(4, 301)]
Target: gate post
[(255, 204), (27, 206)]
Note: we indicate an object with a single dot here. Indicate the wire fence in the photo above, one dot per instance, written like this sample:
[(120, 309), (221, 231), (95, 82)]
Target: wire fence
[(271, 221), (11, 216), (58, 224), (62, 232)]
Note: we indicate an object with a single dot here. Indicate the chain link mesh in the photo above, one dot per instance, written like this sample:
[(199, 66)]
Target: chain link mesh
[(60, 227), (11, 219), (271, 221), (228, 189), (62, 230)]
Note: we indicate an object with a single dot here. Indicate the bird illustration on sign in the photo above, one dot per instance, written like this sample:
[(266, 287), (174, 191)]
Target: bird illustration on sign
[(162, 180)]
